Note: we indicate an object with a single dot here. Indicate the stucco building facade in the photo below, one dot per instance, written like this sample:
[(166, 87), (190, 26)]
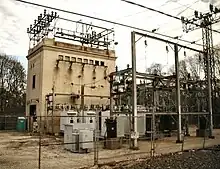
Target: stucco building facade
[(57, 71)]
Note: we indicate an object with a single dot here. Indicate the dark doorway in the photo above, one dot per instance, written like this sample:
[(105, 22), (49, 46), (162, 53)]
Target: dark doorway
[(33, 112), (148, 123), (148, 126), (32, 116)]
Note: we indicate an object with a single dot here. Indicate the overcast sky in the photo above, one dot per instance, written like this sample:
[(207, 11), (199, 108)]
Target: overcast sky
[(15, 17)]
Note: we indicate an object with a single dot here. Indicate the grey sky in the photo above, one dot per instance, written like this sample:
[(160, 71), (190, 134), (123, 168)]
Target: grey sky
[(15, 17)]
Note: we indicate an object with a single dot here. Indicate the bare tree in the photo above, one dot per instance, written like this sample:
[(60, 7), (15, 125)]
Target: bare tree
[(155, 68), (12, 84)]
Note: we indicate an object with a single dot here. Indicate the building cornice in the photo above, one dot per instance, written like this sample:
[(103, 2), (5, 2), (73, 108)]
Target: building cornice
[(34, 52), (79, 52), (52, 45)]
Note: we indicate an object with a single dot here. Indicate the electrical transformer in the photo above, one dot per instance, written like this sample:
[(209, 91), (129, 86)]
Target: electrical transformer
[(102, 125), (85, 140), (79, 137), (68, 117), (90, 118)]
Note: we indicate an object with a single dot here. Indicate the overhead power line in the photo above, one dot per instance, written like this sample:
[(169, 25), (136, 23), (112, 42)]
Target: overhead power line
[(142, 11), (150, 16), (104, 20), (187, 7), (151, 9), (163, 13)]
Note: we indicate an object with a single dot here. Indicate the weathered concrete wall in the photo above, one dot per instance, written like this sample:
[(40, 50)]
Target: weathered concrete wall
[(42, 62)]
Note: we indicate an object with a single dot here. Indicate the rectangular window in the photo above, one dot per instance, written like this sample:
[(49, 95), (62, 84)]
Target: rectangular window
[(96, 62), (67, 58), (102, 63), (85, 60), (60, 57), (91, 62), (33, 81), (79, 60), (73, 59)]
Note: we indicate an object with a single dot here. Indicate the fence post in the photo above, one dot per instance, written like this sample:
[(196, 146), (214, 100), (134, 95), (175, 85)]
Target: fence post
[(184, 132), (39, 152), (5, 122), (153, 127), (95, 138), (206, 124)]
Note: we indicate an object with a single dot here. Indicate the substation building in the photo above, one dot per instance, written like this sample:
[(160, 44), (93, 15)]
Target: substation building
[(62, 71), (70, 74)]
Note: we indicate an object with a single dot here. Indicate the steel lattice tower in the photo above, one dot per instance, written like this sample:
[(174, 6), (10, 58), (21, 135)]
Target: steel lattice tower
[(205, 21)]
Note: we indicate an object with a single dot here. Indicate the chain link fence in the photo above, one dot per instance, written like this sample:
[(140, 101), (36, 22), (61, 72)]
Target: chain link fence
[(93, 143)]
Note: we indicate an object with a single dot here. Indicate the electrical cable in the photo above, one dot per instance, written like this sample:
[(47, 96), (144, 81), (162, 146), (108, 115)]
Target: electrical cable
[(167, 50), (163, 13), (174, 28), (150, 16), (159, 26), (187, 7), (151, 9), (145, 55), (104, 20)]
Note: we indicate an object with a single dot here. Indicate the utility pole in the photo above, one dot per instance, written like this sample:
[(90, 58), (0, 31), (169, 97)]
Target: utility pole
[(178, 104), (134, 91)]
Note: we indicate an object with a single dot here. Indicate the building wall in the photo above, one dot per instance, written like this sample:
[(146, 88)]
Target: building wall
[(66, 80), (34, 94)]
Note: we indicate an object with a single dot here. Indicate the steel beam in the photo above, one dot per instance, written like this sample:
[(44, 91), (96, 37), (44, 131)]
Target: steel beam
[(111, 96), (178, 104), (161, 113), (134, 90), (167, 41), (85, 95)]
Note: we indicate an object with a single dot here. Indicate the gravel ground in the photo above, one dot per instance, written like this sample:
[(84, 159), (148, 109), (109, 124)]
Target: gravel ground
[(20, 150), (201, 159)]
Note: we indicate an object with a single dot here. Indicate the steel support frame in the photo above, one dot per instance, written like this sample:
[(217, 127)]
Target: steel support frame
[(209, 72), (134, 85), (206, 20), (178, 101), (111, 96), (134, 92)]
